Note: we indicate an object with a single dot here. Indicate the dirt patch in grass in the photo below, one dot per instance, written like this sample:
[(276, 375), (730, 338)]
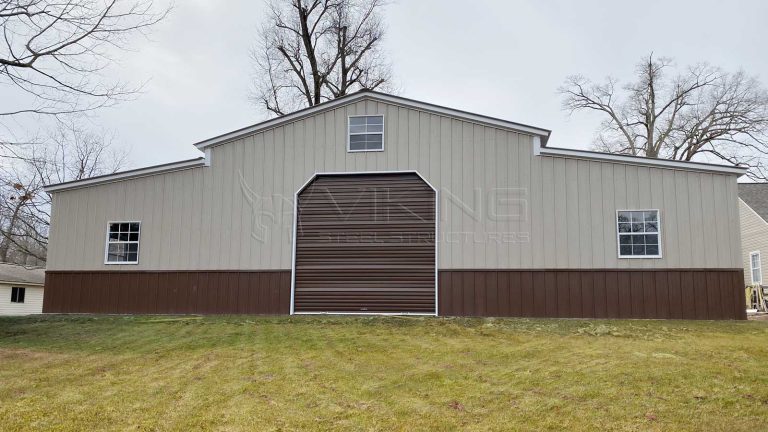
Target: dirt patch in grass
[(377, 373)]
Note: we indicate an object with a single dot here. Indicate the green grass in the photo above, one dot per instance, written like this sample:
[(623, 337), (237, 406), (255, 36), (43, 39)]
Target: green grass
[(334, 373)]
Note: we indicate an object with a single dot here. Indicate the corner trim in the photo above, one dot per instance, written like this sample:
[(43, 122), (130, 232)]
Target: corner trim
[(536, 146)]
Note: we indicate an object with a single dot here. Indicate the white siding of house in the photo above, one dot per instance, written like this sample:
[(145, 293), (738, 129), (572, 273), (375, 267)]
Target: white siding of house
[(237, 214), (754, 237), (33, 300)]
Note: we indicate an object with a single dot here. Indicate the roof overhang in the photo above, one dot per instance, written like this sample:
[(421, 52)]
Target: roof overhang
[(140, 172), (540, 137), (543, 134), (539, 149), (22, 283)]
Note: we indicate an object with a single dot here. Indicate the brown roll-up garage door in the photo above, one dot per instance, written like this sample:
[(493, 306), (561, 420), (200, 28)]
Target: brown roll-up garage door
[(365, 243)]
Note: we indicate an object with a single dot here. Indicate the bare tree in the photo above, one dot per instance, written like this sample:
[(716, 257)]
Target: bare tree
[(702, 112), (54, 52), (53, 56), (71, 153), (311, 51)]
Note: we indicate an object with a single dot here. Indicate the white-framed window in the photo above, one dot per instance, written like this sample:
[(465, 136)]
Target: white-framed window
[(17, 294), (638, 233), (366, 133), (122, 242), (755, 268)]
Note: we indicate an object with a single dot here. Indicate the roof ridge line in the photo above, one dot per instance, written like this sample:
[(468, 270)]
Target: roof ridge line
[(330, 104)]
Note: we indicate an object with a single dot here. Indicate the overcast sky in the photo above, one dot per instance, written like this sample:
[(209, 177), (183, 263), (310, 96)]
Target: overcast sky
[(499, 58)]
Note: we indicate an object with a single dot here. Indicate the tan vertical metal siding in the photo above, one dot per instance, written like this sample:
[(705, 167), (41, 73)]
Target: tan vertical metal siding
[(366, 243), (237, 214)]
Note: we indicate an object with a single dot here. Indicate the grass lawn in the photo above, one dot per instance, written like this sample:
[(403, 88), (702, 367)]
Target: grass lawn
[(384, 373)]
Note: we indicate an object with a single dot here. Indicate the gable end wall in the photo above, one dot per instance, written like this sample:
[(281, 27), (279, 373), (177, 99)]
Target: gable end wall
[(501, 207)]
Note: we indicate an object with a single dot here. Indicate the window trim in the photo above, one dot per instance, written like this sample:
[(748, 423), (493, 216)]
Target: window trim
[(752, 269), (106, 245), (618, 235), (24, 297), (349, 134)]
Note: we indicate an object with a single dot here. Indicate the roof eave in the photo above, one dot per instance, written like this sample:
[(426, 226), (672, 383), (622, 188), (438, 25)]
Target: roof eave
[(638, 160), (139, 172), (16, 282)]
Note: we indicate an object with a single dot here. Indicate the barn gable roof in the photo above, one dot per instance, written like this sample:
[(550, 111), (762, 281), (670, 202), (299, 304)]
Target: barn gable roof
[(543, 134), (540, 138)]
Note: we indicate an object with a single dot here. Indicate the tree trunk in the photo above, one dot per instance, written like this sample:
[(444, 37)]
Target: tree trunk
[(9, 232)]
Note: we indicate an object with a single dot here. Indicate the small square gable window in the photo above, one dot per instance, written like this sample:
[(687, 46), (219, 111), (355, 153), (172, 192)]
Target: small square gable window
[(366, 133)]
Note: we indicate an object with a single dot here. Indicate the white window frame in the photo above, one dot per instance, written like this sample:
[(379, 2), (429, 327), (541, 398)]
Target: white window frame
[(752, 268), (106, 245), (349, 133), (618, 235)]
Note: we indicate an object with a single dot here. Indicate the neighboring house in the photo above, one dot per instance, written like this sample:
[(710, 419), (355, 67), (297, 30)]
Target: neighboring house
[(374, 203), (753, 213), (21, 289)]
